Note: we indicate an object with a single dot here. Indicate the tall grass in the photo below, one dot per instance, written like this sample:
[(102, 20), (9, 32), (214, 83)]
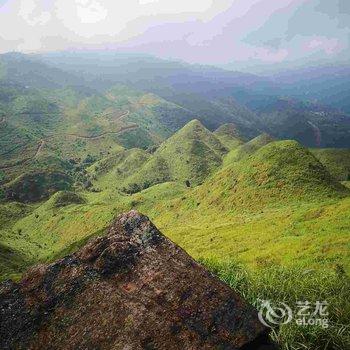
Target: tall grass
[(289, 285)]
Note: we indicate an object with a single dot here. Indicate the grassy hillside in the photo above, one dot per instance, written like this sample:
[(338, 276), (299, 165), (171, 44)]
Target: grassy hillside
[(248, 148), (283, 170), (12, 263), (277, 206), (337, 161), (111, 172), (270, 217), (48, 128), (33, 187), (190, 155), (274, 211), (229, 136)]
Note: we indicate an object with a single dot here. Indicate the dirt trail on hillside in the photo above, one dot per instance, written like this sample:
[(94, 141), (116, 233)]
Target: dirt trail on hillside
[(26, 160), (42, 142), (118, 117), (129, 127), (94, 137), (317, 132), (41, 145)]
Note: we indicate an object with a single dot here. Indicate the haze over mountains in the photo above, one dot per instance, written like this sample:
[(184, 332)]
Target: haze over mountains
[(306, 112)]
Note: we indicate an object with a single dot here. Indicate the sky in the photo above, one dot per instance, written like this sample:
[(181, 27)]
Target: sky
[(231, 33)]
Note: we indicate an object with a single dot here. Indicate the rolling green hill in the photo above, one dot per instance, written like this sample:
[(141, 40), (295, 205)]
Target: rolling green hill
[(272, 210), (280, 206), (277, 195), (248, 148), (190, 155), (282, 169), (337, 161), (229, 136), (58, 129), (36, 186)]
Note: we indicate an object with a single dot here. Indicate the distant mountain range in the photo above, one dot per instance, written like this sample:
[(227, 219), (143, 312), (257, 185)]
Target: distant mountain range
[(309, 106)]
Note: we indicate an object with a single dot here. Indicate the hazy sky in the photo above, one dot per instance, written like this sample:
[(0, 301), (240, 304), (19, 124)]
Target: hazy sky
[(220, 32)]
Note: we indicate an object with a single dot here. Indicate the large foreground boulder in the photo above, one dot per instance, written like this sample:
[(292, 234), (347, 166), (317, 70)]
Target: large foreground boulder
[(132, 289)]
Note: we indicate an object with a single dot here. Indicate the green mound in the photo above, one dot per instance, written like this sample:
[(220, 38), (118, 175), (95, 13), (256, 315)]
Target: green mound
[(36, 186), (139, 138), (111, 172), (122, 163), (248, 148), (337, 161), (280, 171), (155, 171), (229, 135), (64, 198), (346, 184), (188, 156), (12, 263), (10, 212)]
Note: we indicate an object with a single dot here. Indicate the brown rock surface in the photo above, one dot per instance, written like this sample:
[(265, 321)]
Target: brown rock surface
[(132, 289)]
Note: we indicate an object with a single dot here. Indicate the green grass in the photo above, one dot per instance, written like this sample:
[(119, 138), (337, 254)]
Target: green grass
[(191, 154), (282, 171), (36, 186), (307, 235), (111, 172), (229, 136), (64, 198), (12, 263), (248, 148), (267, 217), (11, 212), (337, 161), (278, 206), (290, 285)]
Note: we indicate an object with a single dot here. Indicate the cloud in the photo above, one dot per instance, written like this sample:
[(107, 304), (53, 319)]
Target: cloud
[(328, 45), (204, 31), (91, 11), (32, 14)]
